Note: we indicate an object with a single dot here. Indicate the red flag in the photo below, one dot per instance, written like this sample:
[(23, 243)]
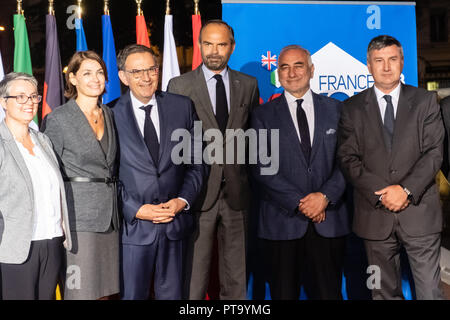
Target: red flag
[(141, 31), (196, 26)]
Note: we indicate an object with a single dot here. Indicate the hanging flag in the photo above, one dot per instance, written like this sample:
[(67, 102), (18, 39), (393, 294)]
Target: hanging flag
[(141, 31), (81, 38), (2, 75), (170, 60), (196, 26), (109, 56), (22, 57), (53, 85)]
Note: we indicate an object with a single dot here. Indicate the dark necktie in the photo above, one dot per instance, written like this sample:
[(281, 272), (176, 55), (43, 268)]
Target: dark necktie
[(221, 103), (304, 130), (150, 137), (389, 119)]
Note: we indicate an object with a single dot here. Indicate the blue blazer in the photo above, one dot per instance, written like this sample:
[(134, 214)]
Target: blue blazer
[(142, 182), (279, 218)]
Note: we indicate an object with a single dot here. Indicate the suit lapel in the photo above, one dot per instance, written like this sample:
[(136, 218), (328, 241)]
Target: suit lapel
[(374, 121), (235, 97), (402, 116), (48, 153), (163, 125), (286, 121), (319, 124), (10, 144), (203, 101), (112, 145)]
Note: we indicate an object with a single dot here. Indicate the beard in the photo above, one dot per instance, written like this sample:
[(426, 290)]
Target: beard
[(215, 62)]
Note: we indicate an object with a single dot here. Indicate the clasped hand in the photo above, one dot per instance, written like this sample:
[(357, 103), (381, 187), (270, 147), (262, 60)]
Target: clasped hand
[(393, 198), (161, 213), (313, 206)]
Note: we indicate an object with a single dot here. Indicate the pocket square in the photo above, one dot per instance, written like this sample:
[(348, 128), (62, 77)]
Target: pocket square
[(330, 131)]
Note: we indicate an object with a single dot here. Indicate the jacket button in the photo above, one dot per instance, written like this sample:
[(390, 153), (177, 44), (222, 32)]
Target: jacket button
[(309, 170), (158, 175)]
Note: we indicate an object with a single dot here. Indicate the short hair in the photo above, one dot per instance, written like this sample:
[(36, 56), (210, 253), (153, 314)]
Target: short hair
[(131, 49), (75, 64), (6, 83), (381, 42), (219, 22), (296, 47)]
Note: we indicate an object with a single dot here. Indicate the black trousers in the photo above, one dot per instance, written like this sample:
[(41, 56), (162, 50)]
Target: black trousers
[(313, 261), (37, 277)]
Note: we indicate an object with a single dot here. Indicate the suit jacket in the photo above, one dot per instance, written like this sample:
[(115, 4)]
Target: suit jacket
[(244, 96), (279, 218), (415, 159), (142, 182), (17, 197), (92, 205), (445, 111)]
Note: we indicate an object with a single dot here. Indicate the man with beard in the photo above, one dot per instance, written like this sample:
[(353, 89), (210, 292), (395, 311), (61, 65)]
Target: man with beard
[(223, 99)]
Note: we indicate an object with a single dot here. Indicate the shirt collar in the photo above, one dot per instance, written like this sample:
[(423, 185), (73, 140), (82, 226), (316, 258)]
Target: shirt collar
[(395, 94), (307, 97), (137, 104), (210, 74)]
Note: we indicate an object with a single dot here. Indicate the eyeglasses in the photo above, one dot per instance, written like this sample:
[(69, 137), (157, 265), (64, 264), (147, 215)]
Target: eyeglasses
[(137, 74), (23, 98)]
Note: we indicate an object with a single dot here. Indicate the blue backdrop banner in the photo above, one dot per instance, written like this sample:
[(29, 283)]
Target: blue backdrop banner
[(335, 32)]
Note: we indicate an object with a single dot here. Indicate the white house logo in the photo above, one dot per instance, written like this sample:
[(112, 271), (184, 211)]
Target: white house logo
[(339, 75)]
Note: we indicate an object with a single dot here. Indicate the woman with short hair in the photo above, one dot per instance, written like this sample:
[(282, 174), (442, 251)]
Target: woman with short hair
[(33, 212)]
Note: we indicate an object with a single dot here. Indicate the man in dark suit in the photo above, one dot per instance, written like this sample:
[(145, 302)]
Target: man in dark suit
[(390, 149), (303, 220), (223, 99), (156, 193)]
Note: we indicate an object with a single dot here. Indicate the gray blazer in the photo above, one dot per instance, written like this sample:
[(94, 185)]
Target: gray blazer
[(92, 205), (244, 96), (17, 198)]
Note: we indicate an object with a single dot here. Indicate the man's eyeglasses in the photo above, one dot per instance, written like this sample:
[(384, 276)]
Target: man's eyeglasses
[(137, 74), (23, 98)]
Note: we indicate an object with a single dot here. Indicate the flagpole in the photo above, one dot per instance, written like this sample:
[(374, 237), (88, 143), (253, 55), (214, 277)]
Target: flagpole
[(139, 10), (79, 9), (19, 7), (51, 11), (167, 7), (196, 11), (106, 7)]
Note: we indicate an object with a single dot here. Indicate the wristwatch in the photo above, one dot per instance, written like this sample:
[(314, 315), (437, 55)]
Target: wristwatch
[(408, 193)]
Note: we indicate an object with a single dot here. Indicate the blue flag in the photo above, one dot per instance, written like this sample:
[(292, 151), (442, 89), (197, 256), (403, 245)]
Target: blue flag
[(109, 56), (81, 38)]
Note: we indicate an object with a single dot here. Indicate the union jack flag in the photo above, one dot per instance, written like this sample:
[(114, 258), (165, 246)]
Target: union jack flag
[(269, 60)]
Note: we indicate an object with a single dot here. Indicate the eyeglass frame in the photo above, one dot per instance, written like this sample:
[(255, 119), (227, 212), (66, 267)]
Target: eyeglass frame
[(154, 70), (39, 97)]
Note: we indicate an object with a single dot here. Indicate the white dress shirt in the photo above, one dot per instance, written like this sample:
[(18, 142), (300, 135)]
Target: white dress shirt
[(211, 84), (395, 94), (154, 115), (140, 114), (308, 106), (47, 196)]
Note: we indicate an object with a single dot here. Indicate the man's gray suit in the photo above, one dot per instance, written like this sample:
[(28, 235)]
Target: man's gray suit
[(234, 189), (17, 200), (413, 163)]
